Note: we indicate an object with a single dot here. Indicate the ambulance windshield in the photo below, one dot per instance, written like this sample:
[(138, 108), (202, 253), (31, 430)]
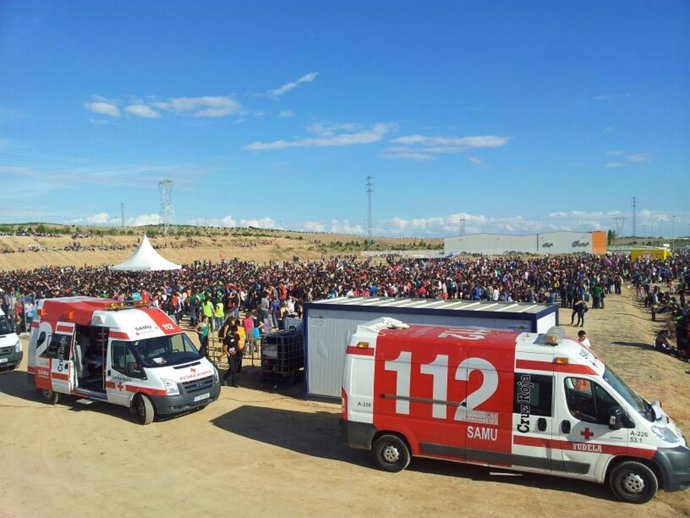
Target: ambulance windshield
[(5, 328), (635, 401), (165, 350)]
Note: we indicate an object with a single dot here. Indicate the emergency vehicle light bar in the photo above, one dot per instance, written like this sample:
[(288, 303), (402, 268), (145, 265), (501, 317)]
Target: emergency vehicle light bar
[(126, 304), (560, 360), (363, 345), (554, 336)]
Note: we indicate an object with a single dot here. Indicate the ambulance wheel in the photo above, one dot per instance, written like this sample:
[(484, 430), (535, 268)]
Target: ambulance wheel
[(633, 482), (49, 396), (391, 453), (144, 409)]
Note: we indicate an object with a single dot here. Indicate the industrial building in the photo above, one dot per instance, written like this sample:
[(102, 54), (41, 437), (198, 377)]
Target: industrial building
[(549, 243)]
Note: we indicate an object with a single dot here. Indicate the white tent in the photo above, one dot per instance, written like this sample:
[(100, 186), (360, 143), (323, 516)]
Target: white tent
[(145, 259)]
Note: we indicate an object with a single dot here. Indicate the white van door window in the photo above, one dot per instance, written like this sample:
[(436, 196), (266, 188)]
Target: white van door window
[(588, 401), (582, 423)]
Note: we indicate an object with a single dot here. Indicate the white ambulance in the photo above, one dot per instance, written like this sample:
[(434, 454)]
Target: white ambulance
[(11, 352), (122, 353), (531, 402)]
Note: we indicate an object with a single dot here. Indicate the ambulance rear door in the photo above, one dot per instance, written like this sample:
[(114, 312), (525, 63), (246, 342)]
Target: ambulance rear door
[(448, 390), (60, 356), (415, 392), (583, 439)]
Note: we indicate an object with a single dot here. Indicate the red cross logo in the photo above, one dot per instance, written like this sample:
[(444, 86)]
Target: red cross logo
[(119, 386), (193, 370), (587, 433)]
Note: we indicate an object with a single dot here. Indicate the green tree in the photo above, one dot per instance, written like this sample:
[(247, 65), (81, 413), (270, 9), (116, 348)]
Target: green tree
[(610, 237)]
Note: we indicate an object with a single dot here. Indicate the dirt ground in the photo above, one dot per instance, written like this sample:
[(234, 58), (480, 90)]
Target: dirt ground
[(262, 450)]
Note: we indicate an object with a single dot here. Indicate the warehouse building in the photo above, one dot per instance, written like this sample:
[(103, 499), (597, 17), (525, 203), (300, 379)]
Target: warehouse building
[(549, 243)]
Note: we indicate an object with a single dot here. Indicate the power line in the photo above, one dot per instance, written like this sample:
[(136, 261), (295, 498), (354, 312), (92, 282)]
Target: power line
[(620, 222)]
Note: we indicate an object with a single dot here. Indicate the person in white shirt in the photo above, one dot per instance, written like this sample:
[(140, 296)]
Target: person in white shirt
[(582, 338)]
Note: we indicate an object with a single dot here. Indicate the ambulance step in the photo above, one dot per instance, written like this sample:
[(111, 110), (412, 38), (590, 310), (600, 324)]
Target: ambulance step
[(84, 401), (504, 474)]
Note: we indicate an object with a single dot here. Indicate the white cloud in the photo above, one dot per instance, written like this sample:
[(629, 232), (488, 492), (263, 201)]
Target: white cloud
[(230, 222), (286, 114), (638, 157), (103, 107), (404, 153), (345, 227), (227, 221), (314, 226), (475, 160), (102, 218), (206, 106), (259, 223), (307, 78), (329, 135), (144, 219), (200, 107), (453, 224), (142, 110), (421, 147), (581, 214), (481, 141), (628, 157)]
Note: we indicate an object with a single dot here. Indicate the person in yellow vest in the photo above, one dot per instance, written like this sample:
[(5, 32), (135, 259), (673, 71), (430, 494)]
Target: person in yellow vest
[(208, 310), (219, 313), (242, 341)]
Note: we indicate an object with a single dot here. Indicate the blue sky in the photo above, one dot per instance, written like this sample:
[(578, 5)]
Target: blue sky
[(492, 116)]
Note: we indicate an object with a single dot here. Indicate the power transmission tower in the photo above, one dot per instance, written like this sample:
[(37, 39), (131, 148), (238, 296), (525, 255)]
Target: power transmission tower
[(167, 213), (370, 189), (462, 226), (634, 207), (620, 222)]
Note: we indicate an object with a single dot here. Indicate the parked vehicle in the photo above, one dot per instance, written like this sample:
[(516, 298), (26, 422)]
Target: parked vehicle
[(126, 354), (11, 352), (535, 402)]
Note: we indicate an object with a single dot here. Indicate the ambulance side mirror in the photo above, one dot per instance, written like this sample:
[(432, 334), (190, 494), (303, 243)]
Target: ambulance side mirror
[(616, 418)]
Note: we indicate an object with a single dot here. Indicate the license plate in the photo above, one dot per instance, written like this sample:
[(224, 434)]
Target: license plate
[(3, 360), (201, 397)]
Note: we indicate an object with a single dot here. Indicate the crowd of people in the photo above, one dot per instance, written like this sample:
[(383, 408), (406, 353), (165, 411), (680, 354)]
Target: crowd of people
[(274, 290)]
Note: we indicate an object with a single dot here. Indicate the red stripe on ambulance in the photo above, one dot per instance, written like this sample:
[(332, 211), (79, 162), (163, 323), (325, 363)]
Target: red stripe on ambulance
[(163, 321), (594, 447)]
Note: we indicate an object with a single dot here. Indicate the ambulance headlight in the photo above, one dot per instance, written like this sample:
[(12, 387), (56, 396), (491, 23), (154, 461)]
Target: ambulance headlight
[(216, 376), (665, 434), (18, 346), (171, 387)]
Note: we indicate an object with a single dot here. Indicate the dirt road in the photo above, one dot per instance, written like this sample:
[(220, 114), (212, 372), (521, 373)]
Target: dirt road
[(261, 451)]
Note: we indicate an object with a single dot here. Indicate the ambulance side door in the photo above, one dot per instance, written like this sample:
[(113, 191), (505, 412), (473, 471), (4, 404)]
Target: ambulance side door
[(116, 374), (534, 424), (583, 408), (60, 352)]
